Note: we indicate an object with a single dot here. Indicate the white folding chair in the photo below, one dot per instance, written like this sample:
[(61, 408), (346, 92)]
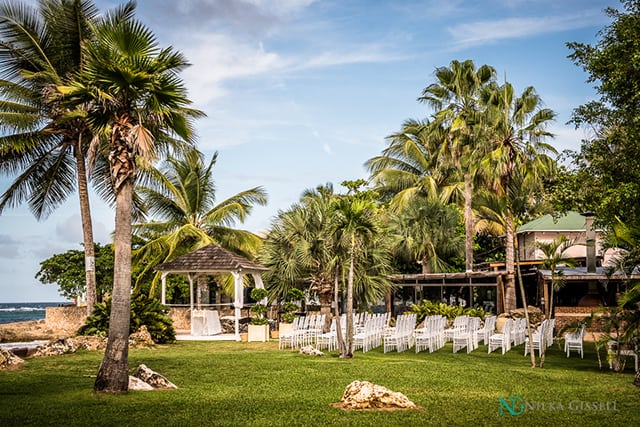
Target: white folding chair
[(573, 341), (503, 339), (538, 339)]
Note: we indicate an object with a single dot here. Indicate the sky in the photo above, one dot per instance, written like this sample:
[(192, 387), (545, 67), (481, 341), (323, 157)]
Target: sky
[(300, 93)]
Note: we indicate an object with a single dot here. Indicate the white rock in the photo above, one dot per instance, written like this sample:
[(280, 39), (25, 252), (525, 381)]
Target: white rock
[(311, 351), (136, 384), (366, 395)]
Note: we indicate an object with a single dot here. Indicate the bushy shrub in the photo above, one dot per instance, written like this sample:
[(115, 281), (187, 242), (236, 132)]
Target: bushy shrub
[(430, 308), (144, 311)]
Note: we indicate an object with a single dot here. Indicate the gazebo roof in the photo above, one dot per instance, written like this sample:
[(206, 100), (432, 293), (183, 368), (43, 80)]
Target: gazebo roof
[(211, 259)]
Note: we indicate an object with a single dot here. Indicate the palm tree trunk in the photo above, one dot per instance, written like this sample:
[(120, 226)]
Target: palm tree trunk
[(350, 306), (87, 229), (526, 310), (113, 374), (325, 295), (341, 345), (468, 222), (510, 286)]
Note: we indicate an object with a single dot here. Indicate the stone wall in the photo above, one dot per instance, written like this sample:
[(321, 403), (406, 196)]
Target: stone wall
[(68, 318)]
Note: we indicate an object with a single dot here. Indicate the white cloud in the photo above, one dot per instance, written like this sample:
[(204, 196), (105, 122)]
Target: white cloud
[(9, 247), (484, 32), (70, 229), (327, 149)]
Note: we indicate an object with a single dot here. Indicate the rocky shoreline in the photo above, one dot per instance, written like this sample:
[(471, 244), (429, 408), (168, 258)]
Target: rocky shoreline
[(33, 330)]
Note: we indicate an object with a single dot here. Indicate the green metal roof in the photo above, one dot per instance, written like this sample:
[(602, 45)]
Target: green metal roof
[(571, 221)]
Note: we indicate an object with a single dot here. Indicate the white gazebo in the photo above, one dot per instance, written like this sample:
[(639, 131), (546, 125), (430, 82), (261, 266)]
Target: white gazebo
[(213, 260)]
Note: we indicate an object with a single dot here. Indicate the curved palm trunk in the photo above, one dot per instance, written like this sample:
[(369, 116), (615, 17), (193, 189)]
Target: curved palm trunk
[(87, 229), (468, 222), (510, 286)]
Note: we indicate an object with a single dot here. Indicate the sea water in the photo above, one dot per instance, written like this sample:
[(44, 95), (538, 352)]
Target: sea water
[(24, 311)]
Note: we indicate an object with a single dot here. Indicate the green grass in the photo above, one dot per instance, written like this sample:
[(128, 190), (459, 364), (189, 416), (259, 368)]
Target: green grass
[(255, 384)]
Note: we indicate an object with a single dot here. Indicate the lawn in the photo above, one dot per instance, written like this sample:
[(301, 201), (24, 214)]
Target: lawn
[(255, 384)]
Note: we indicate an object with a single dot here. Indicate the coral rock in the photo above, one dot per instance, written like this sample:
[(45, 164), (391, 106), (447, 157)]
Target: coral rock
[(153, 378), (366, 395), (311, 351), (8, 359)]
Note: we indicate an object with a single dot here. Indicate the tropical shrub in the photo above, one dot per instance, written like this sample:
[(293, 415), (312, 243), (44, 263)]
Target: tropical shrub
[(431, 308), (144, 311)]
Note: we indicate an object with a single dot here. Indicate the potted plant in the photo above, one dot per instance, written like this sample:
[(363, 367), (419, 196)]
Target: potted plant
[(290, 308), (259, 326)]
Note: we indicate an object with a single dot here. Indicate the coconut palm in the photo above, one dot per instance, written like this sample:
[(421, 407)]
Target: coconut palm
[(411, 166), (138, 104), (181, 194), (456, 98), (41, 48), (516, 130)]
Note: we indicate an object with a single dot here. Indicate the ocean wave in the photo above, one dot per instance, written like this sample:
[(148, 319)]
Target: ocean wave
[(22, 309)]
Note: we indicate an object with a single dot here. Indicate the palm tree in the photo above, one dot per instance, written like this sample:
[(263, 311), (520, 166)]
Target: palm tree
[(411, 166), (456, 98), (356, 228), (427, 231), (182, 194), (516, 129), (138, 104), (554, 255), (301, 247), (41, 48)]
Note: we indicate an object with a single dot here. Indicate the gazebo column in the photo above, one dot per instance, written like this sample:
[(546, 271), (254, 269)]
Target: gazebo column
[(238, 300), (163, 295)]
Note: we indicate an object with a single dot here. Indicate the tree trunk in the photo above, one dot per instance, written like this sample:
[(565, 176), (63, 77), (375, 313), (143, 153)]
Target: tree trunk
[(468, 222), (87, 229), (113, 375), (526, 311), (341, 345), (510, 285), (325, 295), (350, 307)]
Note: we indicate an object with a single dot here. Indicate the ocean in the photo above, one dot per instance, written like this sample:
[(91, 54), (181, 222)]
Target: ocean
[(23, 311)]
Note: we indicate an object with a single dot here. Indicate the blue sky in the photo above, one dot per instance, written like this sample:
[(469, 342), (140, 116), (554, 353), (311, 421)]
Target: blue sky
[(299, 93)]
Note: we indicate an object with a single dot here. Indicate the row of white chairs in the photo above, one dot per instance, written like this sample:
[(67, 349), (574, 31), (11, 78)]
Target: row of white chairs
[(432, 334), (305, 330), (401, 336)]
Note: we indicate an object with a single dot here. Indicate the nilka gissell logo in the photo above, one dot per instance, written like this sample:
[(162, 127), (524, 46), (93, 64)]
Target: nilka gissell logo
[(514, 405)]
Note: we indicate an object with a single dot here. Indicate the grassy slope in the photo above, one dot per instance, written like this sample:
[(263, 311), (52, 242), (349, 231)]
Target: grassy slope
[(254, 384)]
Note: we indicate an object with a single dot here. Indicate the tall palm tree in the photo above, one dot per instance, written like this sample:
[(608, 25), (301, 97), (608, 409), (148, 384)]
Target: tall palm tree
[(41, 48), (181, 194), (516, 127), (138, 104), (456, 98)]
